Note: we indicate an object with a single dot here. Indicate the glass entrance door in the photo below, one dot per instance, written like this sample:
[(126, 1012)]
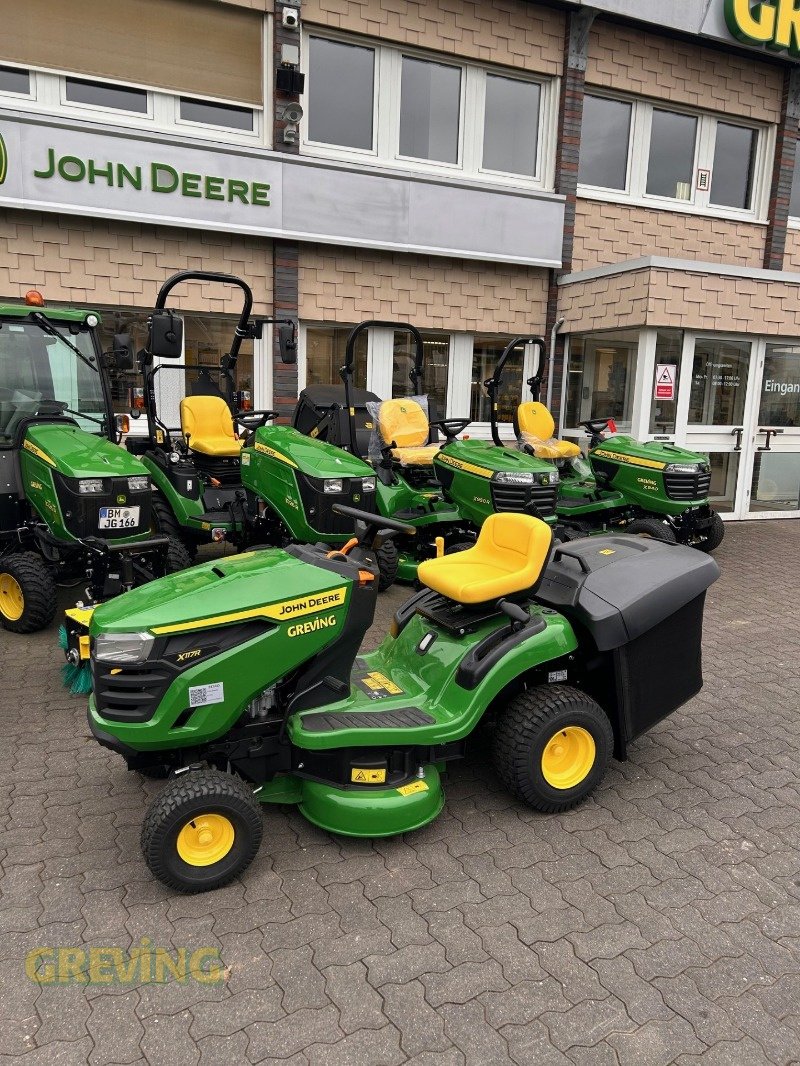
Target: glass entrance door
[(716, 402), (773, 489)]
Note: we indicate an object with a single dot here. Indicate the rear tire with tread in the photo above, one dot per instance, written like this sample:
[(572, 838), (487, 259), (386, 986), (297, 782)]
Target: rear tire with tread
[(164, 522), (178, 557), (387, 558), (189, 796), (525, 728), (654, 528), (38, 589)]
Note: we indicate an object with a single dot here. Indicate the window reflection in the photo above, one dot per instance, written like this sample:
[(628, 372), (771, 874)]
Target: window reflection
[(600, 378)]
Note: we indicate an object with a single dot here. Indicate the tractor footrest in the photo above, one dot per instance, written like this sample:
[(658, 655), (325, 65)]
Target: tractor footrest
[(333, 721), (570, 502)]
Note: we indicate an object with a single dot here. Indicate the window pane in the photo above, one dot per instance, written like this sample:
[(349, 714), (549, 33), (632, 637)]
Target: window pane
[(485, 355), (511, 125), (237, 118), (724, 475), (434, 370), (340, 93), (719, 383), (96, 94), (14, 81), (734, 163), (669, 344), (430, 102), (671, 165), (776, 482), (325, 347), (780, 387), (605, 138), (601, 377)]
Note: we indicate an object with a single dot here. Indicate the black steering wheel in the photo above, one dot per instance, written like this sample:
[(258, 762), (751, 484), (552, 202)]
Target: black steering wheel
[(253, 420), (372, 530), (595, 426), (451, 427)]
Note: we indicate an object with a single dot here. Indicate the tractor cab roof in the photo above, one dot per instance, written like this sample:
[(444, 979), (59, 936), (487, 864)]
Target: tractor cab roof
[(57, 314)]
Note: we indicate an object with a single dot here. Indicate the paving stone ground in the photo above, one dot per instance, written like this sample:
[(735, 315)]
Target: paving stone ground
[(657, 924)]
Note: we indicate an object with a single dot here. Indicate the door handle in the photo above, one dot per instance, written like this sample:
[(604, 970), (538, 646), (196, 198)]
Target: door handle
[(770, 434), (738, 434)]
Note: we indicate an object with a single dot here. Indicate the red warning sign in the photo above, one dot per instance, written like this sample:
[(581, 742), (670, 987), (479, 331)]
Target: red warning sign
[(665, 381)]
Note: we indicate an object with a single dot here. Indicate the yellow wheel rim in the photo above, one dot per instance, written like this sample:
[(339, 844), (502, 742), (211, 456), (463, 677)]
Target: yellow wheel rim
[(206, 839), (12, 602), (568, 757)]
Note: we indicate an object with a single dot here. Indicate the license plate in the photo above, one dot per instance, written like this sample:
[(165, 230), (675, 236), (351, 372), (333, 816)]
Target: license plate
[(118, 518)]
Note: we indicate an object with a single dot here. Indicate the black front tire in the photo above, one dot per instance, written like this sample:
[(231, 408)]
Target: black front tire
[(196, 802), (714, 535), (529, 724), (26, 575), (652, 527), (387, 558)]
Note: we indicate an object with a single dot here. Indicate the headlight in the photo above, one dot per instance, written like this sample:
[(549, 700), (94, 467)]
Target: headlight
[(509, 478), (89, 485), (92, 321), (368, 484), (551, 478), (333, 484), (139, 483), (123, 647), (681, 468)]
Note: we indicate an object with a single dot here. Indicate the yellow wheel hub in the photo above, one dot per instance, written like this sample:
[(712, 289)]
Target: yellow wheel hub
[(206, 839), (568, 757), (12, 602)]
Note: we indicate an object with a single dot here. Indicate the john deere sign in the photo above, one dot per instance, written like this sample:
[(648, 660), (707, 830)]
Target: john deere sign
[(3, 160), (98, 172), (775, 23)]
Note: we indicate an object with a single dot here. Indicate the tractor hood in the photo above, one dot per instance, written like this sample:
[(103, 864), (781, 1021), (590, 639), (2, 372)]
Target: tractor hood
[(313, 457), (620, 447), (269, 584), (487, 459), (75, 453)]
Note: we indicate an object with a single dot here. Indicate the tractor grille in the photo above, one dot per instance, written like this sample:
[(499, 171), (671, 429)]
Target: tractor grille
[(133, 694), (688, 486), (538, 500), (81, 512)]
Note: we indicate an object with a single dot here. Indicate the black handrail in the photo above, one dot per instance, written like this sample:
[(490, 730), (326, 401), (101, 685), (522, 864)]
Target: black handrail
[(492, 384)]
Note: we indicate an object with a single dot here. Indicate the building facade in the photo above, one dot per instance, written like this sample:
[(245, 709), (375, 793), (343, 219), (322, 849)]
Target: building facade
[(617, 177)]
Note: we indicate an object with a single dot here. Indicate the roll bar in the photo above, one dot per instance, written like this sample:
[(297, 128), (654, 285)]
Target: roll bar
[(492, 384), (346, 372)]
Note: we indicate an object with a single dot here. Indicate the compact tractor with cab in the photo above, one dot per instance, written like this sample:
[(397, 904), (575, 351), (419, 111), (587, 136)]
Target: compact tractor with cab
[(195, 468), (75, 508), (244, 681), (655, 489)]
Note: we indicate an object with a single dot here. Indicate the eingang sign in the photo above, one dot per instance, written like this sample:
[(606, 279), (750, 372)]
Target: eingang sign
[(774, 23)]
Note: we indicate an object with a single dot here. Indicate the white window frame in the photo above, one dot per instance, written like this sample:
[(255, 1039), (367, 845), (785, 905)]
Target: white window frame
[(635, 191), (6, 96), (385, 150)]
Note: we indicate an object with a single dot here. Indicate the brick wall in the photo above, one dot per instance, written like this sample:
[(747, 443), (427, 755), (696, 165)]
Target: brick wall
[(607, 233), (630, 60), (85, 261), (510, 32), (684, 299), (433, 293)]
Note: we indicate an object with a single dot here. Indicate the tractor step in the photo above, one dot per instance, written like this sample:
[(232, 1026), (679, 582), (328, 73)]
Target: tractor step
[(334, 721)]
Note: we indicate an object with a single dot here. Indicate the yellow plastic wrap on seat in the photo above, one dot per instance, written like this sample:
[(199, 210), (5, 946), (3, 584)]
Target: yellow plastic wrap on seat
[(415, 456), (405, 423), (536, 428), (508, 557), (207, 422)]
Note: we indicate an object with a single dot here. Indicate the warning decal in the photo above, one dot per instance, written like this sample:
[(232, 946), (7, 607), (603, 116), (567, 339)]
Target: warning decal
[(415, 786), (378, 686), (665, 381), (367, 775)]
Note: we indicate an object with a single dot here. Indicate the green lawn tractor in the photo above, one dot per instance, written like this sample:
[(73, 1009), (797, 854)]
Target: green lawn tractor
[(243, 680), (658, 490), (74, 506), (446, 491), (196, 468)]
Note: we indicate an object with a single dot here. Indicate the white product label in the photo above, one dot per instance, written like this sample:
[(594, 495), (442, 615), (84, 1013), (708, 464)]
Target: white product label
[(202, 695), (245, 459), (557, 675)]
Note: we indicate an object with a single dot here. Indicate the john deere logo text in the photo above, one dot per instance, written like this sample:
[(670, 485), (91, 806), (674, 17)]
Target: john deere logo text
[(775, 23), (307, 606), (311, 627), (3, 160)]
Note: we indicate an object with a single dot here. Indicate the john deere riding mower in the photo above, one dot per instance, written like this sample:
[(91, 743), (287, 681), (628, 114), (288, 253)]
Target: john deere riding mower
[(243, 679), (196, 467), (445, 491), (655, 489), (74, 507)]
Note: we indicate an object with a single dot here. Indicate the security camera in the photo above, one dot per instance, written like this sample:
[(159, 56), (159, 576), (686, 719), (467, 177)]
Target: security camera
[(292, 113), (290, 18)]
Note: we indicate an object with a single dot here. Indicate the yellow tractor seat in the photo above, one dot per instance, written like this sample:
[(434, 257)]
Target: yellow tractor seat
[(509, 557), (207, 423), (404, 423), (535, 429)]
